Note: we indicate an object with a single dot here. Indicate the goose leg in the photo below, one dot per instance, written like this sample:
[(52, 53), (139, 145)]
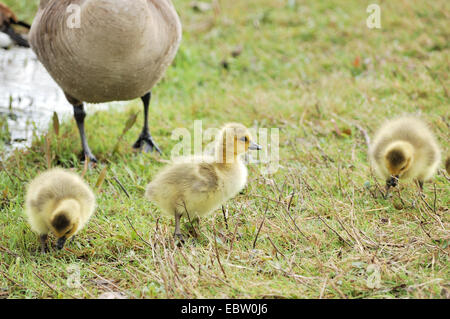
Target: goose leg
[(79, 115), (145, 139), (43, 240)]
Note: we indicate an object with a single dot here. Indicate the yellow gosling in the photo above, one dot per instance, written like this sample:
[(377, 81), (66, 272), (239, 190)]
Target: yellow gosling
[(60, 202), (199, 185)]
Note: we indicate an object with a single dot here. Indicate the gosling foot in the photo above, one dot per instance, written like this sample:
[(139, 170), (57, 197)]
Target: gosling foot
[(387, 192), (420, 183), (87, 155), (179, 239), (146, 143), (60, 243), (43, 240)]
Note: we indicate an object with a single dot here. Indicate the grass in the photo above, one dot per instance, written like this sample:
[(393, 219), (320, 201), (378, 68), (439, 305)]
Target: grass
[(315, 71)]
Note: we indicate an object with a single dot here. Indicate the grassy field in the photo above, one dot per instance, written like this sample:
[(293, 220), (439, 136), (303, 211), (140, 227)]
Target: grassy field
[(315, 71)]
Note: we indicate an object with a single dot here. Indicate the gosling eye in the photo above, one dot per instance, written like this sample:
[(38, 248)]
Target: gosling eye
[(244, 139)]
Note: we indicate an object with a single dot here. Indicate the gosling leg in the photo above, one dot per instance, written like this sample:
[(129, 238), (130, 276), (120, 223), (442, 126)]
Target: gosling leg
[(177, 234), (387, 189), (420, 186), (43, 240), (420, 183), (79, 115), (145, 140)]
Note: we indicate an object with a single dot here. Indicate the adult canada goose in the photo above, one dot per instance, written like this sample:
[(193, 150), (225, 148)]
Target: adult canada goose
[(60, 202), (7, 20), (106, 50), (405, 148), (195, 186)]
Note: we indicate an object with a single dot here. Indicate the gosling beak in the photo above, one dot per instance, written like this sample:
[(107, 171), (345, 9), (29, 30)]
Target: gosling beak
[(254, 146), (60, 243), (393, 181)]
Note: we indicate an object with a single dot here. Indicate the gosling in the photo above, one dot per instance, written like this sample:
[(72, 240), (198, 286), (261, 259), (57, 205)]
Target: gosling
[(60, 202), (405, 148), (194, 186)]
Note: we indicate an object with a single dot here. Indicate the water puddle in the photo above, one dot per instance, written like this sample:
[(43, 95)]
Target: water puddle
[(28, 98)]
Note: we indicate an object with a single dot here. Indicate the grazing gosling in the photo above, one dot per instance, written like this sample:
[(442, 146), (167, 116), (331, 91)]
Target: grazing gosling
[(405, 148), (195, 186), (58, 201)]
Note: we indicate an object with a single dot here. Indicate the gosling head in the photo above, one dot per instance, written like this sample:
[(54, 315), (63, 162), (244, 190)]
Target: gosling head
[(398, 158), (236, 139), (65, 221)]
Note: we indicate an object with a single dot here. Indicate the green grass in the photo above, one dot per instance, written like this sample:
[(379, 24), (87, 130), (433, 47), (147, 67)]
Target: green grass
[(298, 71)]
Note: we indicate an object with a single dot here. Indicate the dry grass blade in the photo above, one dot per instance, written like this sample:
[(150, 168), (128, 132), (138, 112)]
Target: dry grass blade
[(217, 251), (224, 212), (12, 280), (55, 123), (334, 231), (121, 186), (128, 125), (137, 233), (48, 152), (51, 287), (85, 166), (101, 179), (260, 225)]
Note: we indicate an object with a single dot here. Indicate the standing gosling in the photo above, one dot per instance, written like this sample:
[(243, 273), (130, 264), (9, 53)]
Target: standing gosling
[(405, 148), (58, 201), (194, 186)]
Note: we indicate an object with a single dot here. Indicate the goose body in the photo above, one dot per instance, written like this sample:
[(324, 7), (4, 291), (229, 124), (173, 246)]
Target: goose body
[(106, 50), (196, 186), (119, 51), (405, 148), (60, 202), (202, 186)]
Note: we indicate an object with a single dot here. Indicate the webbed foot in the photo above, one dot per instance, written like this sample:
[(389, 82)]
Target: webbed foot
[(179, 239), (146, 143)]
